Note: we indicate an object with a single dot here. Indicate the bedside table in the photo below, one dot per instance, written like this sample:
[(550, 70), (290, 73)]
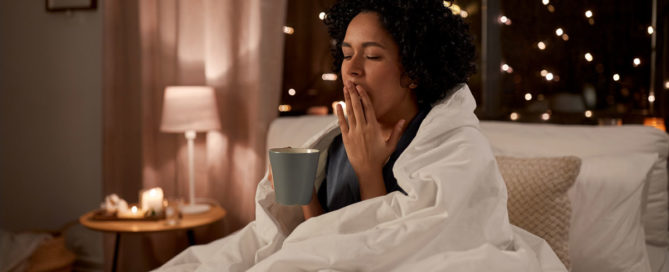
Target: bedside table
[(187, 223)]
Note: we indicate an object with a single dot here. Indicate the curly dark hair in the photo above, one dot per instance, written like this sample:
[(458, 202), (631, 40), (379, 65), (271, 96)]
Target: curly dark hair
[(435, 47)]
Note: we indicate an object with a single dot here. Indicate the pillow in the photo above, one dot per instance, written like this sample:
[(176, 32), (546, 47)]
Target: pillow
[(545, 140), (537, 201), (606, 231)]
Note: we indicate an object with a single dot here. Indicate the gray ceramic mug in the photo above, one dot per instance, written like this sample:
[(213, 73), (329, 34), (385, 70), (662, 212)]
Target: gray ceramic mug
[(294, 172)]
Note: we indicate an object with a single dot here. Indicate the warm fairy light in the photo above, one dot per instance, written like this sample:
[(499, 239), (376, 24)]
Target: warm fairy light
[(291, 92), (543, 72), (506, 68), (549, 76), (334, 106), (541, 45), (616, 77), (565, 37), (545, 2), (588, 113), (651, 98), (504, 20), (650, 30), (285, 108), (636, 62), (464, 14), (454, 7), (551, 8), (133, 209), (545, 116), (588, 14), (513, 116), (329, 76), (666, 84), (588, 57), (528, 96), (288, 30), (559, 31), (322, 15)]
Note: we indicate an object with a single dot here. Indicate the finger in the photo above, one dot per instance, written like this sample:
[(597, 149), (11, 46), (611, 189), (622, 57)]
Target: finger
[(343, 125), (349, 107), (357, 106), (395, 136), (370, 115)]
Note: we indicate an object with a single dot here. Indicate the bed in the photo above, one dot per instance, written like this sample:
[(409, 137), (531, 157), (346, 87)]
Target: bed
[(619, 208)]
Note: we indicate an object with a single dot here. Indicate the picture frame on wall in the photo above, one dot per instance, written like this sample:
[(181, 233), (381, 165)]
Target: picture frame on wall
[(70, 5)]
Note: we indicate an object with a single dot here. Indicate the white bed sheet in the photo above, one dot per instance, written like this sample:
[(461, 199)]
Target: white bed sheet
[(454, 217), (658, 257)]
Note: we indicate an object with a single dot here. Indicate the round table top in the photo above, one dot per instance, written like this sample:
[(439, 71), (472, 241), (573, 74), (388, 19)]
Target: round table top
[(188, 221)]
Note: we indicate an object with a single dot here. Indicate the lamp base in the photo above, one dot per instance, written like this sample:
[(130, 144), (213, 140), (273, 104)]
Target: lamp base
[(194, 208)]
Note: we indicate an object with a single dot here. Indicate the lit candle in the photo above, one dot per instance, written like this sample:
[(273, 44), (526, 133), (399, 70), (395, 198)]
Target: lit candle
[(133, 212), (152, 200)]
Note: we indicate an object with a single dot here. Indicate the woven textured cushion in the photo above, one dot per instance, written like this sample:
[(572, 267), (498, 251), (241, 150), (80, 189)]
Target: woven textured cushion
[(538, 199)]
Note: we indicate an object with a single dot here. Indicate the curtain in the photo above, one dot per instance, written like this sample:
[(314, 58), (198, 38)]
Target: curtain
[(235, 46)]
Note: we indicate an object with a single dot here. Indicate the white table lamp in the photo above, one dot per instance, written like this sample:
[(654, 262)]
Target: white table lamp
[(190, 109)]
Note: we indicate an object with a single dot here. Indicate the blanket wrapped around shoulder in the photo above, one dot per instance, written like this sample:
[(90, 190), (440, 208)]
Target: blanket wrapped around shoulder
[(453, 218)]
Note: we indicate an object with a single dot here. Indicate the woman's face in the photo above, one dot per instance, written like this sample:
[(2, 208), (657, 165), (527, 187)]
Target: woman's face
[(371, 60)]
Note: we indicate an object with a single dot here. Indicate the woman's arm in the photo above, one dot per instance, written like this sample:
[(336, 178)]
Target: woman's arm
[(371, 184)]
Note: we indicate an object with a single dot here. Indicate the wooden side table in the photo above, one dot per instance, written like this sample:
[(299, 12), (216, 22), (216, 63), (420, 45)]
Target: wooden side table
[(188, 222)]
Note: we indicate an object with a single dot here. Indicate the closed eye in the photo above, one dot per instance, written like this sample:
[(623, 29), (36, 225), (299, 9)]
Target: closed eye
[(368, 57)]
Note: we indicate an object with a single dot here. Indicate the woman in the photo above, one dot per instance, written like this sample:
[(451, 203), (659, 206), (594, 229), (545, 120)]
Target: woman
[(393, 71), (411, 183)]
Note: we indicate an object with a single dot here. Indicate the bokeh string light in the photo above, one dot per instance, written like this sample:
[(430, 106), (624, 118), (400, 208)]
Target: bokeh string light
[(528, 96), (506, 67), (588, 57)]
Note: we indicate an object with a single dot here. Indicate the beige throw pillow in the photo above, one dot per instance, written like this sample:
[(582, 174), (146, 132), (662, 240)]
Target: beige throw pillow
[(538, 199)]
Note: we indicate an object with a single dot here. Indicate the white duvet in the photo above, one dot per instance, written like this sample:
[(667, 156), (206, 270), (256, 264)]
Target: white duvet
[(454, 217)]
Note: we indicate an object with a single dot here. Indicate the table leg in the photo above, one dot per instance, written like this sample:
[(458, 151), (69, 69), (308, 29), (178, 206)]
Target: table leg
[(115, 259), (191, 237)]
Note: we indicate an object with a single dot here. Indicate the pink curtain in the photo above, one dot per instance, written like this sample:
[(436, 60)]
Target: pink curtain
[(235, 46)]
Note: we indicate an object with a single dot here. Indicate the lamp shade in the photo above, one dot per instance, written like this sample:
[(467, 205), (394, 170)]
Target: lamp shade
[(189, 108)]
